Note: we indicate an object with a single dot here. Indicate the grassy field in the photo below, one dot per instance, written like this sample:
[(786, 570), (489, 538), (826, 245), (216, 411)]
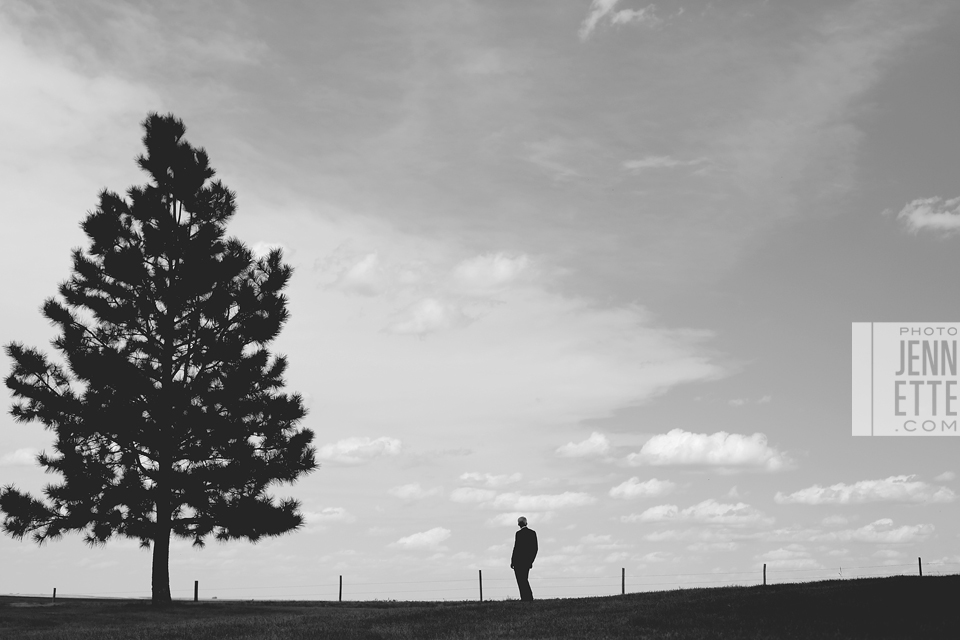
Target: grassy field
[(899, 607)]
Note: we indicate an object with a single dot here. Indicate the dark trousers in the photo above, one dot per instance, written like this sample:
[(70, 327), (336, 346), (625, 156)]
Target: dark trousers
[(526, 593)]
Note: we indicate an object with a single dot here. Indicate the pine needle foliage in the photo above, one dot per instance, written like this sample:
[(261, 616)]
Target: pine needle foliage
[(168, 410)]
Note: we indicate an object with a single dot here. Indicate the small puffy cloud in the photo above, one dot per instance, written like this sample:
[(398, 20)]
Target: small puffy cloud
[(429, 315), (605, 9), (424, 540), (469, 494), (545, 502), (708, 547), (934, 214), (893, 489), (413, 491), (633, 488), (679, 447), (327, 515), (358, 450), (881, 531), (835, 521), (946, 476), (491, 480), (659, 162), (488, 274), (19, 458), (709, 512), (597, 444), (365, 277)]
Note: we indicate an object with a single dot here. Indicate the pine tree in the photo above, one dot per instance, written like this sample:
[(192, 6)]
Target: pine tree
[(168, 408)]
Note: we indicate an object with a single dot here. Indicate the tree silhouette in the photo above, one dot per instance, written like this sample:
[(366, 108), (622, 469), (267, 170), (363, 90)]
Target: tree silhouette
[(168, 410)]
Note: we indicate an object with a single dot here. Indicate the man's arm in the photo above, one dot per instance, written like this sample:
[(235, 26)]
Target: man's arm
[(533, 556), (516, 543)]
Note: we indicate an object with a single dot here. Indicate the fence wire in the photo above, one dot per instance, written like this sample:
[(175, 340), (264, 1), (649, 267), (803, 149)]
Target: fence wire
[(609, 585)]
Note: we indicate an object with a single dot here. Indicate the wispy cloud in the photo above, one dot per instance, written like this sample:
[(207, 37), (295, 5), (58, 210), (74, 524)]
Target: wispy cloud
[(597, 444), (633, 488), (880, 531), (359, 449), (679, 447), (660, 162), (931, 214), (20, 458), (893, 489), (429, 539), (413, 491), (491, 479), (605, 9), (708, 512)]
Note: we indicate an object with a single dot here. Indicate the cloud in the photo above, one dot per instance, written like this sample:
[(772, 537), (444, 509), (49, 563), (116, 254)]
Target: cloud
[(881, 531), (659, 162), (935, 214), (366, 277), (709, 512), (490, 479), (679, 447), (20, 458), (946, 476), (633, 488), (893, 489), (413, 491), (487, 274), (469, 494), (545, 502), (597, 444), (430, 539), (430, 315), (358, 449), (600, 9), (835, 521), (328, 514)]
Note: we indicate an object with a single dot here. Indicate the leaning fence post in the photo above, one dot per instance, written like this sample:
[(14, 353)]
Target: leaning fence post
[(340, 597), (480, 572), (920, 567), (764, 574), (54, 594), (623, 581), (196, 590)]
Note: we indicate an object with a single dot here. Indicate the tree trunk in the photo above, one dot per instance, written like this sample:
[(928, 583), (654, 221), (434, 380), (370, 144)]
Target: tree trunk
[(161, 553)]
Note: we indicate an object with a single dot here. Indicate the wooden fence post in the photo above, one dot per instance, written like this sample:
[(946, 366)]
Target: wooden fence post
[(196, 590), (920, 567), (480, 572), (340, 597), (54, 594), (623, 581), (764, 574)]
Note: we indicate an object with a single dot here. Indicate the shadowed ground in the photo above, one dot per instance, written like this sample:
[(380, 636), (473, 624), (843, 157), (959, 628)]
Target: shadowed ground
[(898, 607)]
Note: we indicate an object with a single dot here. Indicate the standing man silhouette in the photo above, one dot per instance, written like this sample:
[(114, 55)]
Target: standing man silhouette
[(524, 553)]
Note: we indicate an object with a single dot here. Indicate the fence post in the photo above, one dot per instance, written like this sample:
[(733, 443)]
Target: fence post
[(764, 574), (196, 590), (340, 597), (480, 572), (623, 581), (920, 566), (54, 594)]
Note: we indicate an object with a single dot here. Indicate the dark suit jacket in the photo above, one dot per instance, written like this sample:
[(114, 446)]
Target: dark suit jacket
[(524, 548)]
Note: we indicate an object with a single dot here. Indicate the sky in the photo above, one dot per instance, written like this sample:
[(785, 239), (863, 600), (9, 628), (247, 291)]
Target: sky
[(591, 262)]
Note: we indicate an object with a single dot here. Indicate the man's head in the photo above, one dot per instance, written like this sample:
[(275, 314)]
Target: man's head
[(522, 521)]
